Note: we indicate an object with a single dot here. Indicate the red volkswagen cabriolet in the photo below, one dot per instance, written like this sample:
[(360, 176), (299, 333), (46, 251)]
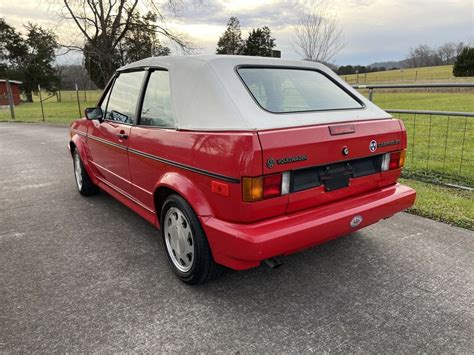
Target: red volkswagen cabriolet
[(240, 159)]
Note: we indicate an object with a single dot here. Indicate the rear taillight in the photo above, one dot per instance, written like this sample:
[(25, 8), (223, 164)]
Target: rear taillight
[(271, 185), (252, 188), (394, 160), (263, 187)]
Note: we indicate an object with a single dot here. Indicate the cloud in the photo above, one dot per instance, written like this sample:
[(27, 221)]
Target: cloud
[(375, 30), (263, 13), (385, 30)]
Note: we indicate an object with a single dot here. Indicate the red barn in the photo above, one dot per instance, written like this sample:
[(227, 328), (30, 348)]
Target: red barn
[(15, 86)]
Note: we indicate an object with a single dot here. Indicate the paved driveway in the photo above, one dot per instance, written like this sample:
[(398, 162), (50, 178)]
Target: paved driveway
[(87, 274)]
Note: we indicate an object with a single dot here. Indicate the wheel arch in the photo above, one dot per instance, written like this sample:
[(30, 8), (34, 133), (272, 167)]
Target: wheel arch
[(76, 143), (174, 183), (71, 146)]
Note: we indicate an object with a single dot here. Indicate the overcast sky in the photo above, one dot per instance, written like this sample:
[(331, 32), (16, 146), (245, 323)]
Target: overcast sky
[(374, 30)]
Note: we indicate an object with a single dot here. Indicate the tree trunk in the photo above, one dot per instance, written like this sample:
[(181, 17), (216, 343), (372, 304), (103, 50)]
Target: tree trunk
[(29, 96)]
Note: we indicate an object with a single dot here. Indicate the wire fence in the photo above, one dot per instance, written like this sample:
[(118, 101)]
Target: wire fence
[(71, 95), (440, 146), (440, 143)]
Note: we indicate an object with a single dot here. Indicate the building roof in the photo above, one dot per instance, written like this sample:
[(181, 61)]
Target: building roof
[(11, 81), (208, 94)]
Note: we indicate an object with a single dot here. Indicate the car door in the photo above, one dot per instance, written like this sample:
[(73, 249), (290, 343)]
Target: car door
[(154, 138), (108, 140)]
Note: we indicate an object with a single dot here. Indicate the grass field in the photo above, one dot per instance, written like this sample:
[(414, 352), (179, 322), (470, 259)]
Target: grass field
[(63, 112), (444, 204), (443, 73), (54, 112), (434, 101)]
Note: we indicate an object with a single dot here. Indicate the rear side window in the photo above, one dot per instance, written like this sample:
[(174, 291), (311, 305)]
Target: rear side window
[(156, 110), (281, 90), (124, 97)]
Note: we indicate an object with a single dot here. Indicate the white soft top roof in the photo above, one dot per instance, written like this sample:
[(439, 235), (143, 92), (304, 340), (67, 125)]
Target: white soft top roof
[(207, 94)]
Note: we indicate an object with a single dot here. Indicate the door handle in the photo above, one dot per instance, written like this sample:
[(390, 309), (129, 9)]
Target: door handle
[(122, 135)]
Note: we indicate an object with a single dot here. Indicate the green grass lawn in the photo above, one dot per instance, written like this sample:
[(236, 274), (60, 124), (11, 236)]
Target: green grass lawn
[(433, 101), (442, 73), (444, 204), (54, 112), (63, 112), (84, 95)]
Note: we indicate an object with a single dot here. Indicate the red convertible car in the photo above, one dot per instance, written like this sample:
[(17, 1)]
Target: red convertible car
[(239, 160)]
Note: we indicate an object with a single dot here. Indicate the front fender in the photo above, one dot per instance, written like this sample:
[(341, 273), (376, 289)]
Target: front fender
[(188, 190)]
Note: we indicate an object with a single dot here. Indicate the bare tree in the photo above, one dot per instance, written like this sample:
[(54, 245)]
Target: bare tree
[(318, 35), (425, 56), (104, 24), (422, 56), (447, 53), (460, 47)]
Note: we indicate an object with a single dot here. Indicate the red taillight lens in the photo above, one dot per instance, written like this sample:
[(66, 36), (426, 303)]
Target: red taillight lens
[(394, 161), (271, 185)]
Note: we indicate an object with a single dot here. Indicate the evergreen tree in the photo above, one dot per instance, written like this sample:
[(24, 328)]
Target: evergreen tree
[(464, 65), (259, 43), (231, 41)]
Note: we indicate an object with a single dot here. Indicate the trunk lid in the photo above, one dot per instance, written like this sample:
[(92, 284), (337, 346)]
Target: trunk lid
[(333, 161)]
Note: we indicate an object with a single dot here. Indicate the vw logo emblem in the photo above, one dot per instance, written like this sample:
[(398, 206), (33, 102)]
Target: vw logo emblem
[(356, 221), (373, 145), (270, 163)]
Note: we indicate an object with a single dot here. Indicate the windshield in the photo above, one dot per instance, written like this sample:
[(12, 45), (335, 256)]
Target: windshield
[(282, 90)]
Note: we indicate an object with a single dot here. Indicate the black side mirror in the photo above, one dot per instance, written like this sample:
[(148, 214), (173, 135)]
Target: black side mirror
[(94, 113)]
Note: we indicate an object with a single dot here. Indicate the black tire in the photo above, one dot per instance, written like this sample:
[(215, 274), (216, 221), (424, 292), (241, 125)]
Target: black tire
[(84, 184), (202, 268)]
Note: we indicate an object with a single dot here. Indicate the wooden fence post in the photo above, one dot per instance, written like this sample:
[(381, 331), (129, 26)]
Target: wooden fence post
[(78, 101), (11, 102), (371, 94), (41, 101)]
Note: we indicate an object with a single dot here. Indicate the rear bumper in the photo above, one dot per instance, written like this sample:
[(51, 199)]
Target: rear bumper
[(242, 246)]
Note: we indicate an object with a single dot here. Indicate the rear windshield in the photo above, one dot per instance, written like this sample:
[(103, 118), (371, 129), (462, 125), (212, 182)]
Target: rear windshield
[(282, 90)]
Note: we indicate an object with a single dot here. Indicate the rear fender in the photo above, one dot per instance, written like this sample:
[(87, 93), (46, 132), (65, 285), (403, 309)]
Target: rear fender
[(188, 190), (404, 134)]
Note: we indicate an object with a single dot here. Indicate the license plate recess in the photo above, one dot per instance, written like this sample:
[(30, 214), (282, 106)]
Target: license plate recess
[(336, 176)]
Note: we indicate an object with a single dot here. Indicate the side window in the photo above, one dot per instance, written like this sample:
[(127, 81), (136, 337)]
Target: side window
[(124, 97), (156, 110)]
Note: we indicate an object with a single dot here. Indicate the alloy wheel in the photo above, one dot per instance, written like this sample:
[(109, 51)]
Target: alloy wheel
[(179, 239)]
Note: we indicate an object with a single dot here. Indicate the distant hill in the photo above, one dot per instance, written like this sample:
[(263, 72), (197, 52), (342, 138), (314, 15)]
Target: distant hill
[(390, 64)]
